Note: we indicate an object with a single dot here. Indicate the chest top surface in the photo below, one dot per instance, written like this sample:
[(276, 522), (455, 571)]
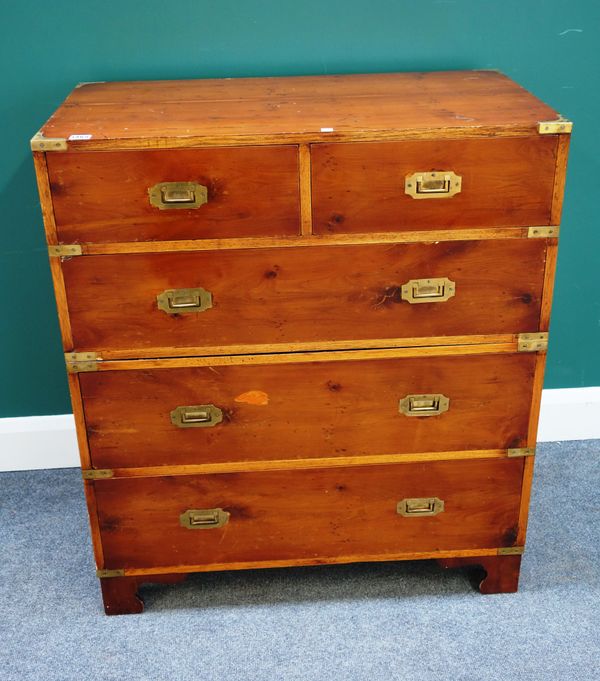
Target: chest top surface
[(305, 108)]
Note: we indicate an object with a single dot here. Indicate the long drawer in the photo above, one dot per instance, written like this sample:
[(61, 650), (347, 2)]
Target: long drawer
[(339, 514), (432, 184), (175, 194), (306, 409), (136, 303)]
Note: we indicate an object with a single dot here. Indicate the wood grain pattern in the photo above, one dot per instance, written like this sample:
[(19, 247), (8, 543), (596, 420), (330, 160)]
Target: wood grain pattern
[(322, 512), (303, 295), (314, 410), (294, 464), (500, 573), (315, 346), (45, 194), (360, 187), (560, 177), (84, 455), (528, 470), (304, 240), (43, 184), (252, 191), (486, 347), (548, 287), (170, 113), (313, 560), (305, 189), (120, 594)]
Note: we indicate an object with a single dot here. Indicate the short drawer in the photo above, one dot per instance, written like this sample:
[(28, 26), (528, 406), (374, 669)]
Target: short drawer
[(307, 408), (363, 187), (156, 304), (344, 514), (175, 194)]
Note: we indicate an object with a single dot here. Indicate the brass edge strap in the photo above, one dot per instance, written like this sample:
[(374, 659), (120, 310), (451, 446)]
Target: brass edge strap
[(543, 232), (511, 551), (559, 126), (523, 451), (80, 362), (64, 250), (110, 573), (41, 143), (97, 474), (532, 342)]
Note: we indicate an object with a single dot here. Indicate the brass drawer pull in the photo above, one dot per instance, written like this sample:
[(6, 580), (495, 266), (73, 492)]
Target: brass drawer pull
[(198, 416), (418, 507), (167, 195), (204, 518), (428, 290), (440, 184), (183, 300), (424, 405)]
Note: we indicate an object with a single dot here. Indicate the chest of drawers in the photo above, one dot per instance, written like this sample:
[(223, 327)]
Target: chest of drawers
[(304, 319)]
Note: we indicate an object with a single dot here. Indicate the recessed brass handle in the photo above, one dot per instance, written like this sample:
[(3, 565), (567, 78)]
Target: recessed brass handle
[(428, 290), (204, 518), (439, 184), (184, 300), (420, 506), (168, 195), (197, 416), (424, 405)]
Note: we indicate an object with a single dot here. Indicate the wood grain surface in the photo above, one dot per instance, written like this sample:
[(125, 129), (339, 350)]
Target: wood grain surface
[(282, 515), (299, 295), (309, 410), (361, 187), (103, 197), (162, 113)]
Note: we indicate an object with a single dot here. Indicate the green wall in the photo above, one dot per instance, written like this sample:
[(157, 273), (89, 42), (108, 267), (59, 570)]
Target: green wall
[(550, 47)]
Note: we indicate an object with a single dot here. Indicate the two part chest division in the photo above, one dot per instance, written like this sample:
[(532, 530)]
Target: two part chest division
[(292, 347)]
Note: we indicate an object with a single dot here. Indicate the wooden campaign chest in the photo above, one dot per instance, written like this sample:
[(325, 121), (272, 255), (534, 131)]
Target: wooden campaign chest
[(305, 320)]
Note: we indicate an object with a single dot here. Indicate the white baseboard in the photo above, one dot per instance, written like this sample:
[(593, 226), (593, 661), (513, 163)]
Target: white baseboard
[(570, 414), (34, 442)]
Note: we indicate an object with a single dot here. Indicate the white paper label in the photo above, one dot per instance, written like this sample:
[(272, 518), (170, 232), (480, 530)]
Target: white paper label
[(326, 129), (80, 137)]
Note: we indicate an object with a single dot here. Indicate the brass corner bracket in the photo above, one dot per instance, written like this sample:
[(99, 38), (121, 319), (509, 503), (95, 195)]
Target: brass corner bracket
[(110, 573), (41, 143), (532, 342), (548, 232), (511, 551), (64, 250), (78, 362), (560, 125)]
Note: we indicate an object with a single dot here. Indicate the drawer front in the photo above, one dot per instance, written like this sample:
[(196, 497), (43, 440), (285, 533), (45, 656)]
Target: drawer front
[(306, 409), (304, 294), (362, 187), (342, 513), (104, 196)]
